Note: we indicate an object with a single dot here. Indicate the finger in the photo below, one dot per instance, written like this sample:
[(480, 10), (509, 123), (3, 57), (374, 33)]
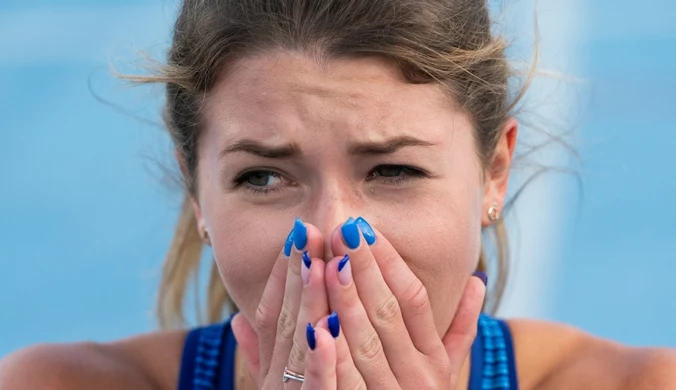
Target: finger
[(369, 290), (460, 336), (320, 371), (313, 306), (305, 238), (363, 341), (269, 307), (347, 374), (408, 290), (247, 342)]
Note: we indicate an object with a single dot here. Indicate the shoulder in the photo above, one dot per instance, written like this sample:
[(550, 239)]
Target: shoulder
[(146, 362), (556, 356)]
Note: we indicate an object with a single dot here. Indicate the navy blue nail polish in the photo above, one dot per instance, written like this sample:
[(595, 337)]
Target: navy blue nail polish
[(299, 234), (288, 244), (334, 325), (366, 231), (310, 335), (350, 233), (482, 276), (342, 262), (306, 260)]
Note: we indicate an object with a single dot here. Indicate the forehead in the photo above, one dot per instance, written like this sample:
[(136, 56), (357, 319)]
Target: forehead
[(290, 90)]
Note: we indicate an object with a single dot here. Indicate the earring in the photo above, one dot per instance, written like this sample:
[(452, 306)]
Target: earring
[(205, 237), (493, 213)]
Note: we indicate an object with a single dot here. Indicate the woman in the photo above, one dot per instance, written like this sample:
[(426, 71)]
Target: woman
[(342, 158)]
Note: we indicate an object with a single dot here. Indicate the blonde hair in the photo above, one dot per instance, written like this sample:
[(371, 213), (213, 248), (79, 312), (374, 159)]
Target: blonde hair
[(449, 42)]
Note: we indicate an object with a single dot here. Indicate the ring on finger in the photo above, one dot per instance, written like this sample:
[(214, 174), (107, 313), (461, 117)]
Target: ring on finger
[(292, 375)]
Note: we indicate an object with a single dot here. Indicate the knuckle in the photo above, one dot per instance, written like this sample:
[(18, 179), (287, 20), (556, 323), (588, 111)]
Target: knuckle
[(294, 266), (356, 383), (286, 323), (370, 349), (263, 319), (416, 297), (317, 371), (427, 380), (387, 312), (297, 357), (343, 363), (442, 367)]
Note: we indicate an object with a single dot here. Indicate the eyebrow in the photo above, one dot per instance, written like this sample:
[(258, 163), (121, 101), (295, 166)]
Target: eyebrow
[(258, 148), (388, 146)]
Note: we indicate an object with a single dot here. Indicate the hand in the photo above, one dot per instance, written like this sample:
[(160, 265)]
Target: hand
[(389, 340), (386, 315), (294, 296)]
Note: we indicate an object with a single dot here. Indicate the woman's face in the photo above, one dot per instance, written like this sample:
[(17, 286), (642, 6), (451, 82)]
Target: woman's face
[(286, 137)]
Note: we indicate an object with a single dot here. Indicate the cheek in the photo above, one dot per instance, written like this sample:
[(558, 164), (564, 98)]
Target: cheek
[(246, 248), (439, 237)]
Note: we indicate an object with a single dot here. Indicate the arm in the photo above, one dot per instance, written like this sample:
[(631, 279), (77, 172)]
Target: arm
[(147, 362), (555, 356), (73, 367)]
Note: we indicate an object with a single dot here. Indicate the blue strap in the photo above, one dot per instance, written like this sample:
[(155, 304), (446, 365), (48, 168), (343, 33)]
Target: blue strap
[(188, 360), (208, 361), (509, 349), (492, 361), (227, 375), (205, 362)]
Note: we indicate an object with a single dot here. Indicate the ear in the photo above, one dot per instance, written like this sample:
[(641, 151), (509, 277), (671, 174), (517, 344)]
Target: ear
[(197, 210), (498, 169)]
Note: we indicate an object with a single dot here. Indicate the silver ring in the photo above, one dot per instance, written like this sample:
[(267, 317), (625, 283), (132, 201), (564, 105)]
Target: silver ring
[(292, 375)]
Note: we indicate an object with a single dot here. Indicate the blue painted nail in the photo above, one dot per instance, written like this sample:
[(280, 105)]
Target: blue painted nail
[(342, 262), (299, 234), (288, 244), (306, 260), (334, 325), (351, 233), (366, 231), (310, 335), (482, 276)]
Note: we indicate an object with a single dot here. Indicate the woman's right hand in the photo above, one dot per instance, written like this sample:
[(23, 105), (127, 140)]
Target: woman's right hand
[(294, 296)]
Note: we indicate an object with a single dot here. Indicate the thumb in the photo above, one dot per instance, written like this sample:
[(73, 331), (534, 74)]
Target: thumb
[(460, 336), (247, 341)]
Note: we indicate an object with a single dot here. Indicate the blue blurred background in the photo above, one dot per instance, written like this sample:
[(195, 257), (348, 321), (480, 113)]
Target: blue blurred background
[(86, 212)]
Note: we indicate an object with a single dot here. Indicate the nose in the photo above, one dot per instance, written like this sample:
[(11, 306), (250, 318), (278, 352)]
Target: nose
[(330, 207)]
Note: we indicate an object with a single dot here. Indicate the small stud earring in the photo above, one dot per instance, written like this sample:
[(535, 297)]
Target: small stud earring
[(205, 237), (493, 213)]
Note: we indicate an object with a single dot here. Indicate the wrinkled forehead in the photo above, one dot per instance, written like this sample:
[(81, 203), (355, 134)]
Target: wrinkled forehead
[(279, 91)]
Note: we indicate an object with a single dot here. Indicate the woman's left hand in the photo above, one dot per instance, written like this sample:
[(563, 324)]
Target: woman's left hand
[(389, 339)]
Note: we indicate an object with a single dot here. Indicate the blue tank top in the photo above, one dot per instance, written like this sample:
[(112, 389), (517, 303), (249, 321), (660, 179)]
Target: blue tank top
[(208, 361)]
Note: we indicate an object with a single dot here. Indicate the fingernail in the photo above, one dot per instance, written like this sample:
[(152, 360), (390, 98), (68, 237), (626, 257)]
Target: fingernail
[(345, 271), (305, 271), (350, 233), (334, 325), (299, 234), (482, 276), (288, 244), (310, 335), (366, 231)]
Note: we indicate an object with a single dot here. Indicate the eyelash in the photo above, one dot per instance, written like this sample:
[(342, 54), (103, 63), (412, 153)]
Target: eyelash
[(240, 181), (408, 173)]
